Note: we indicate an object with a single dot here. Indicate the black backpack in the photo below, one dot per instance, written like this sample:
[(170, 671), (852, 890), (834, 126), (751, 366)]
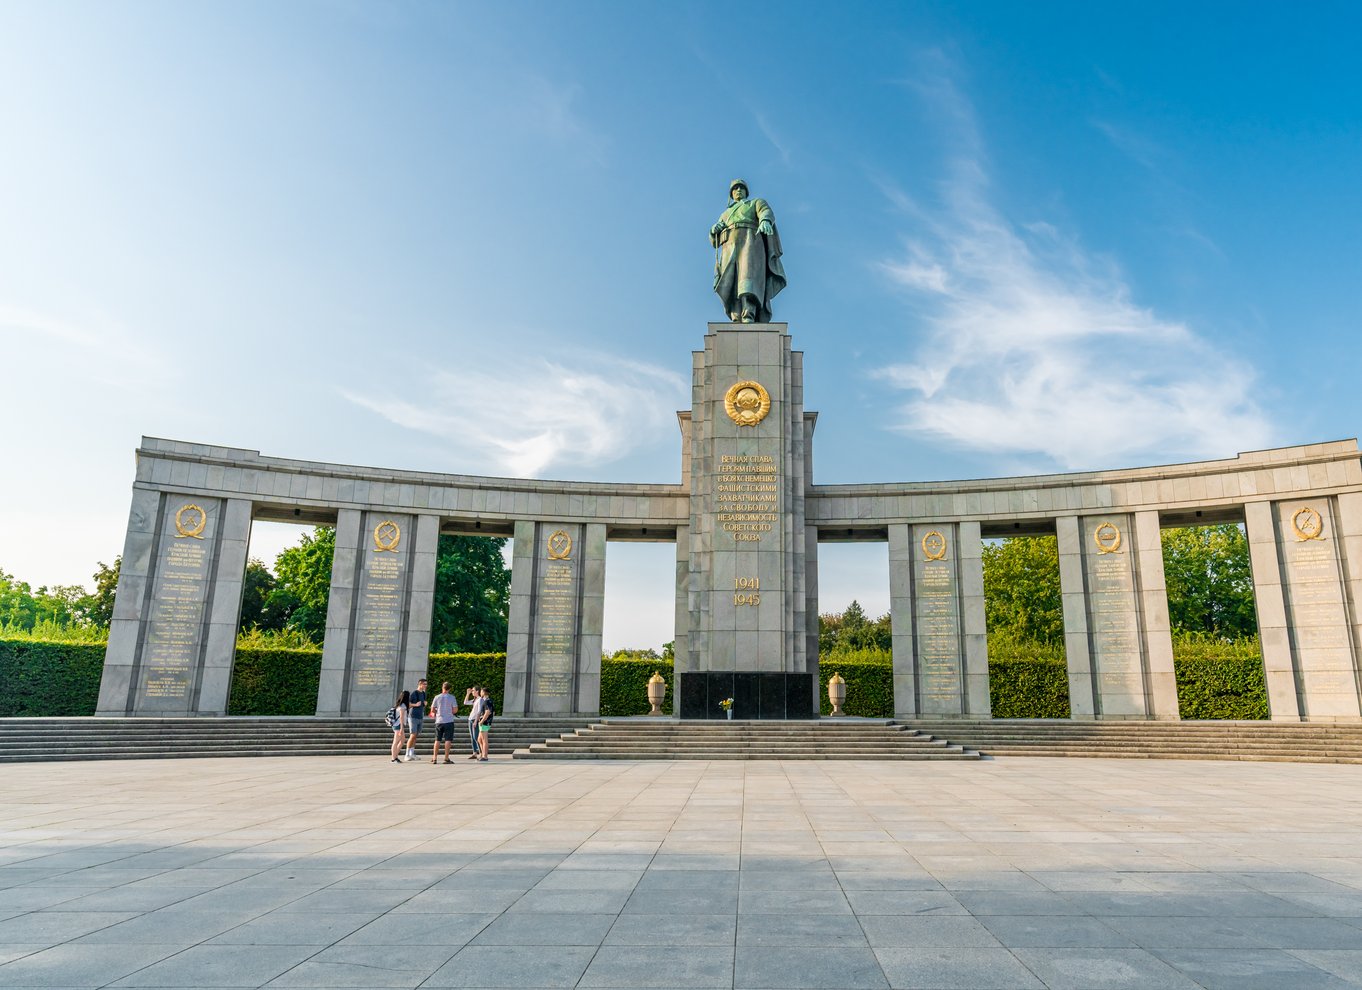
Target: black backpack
[(392, 719)]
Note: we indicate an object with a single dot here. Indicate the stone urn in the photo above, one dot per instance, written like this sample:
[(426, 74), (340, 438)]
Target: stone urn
[(837, 693), (657, 692)]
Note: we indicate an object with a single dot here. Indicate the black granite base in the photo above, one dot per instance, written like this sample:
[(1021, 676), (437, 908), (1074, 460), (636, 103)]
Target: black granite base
[(755, 694)]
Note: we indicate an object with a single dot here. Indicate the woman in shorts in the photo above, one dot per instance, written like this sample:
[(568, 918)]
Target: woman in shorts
[(485, 725), (400, 729)]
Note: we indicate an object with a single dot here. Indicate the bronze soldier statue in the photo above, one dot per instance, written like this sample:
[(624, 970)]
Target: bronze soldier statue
[(747, 269)]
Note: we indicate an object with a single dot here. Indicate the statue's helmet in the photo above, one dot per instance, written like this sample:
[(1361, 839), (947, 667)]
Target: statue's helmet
[(735, 184)]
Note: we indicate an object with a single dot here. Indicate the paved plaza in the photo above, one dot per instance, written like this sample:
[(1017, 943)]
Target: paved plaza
[(353, 872)]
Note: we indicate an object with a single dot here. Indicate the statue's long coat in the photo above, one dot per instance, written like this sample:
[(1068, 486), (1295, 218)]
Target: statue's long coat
[(748, 262)]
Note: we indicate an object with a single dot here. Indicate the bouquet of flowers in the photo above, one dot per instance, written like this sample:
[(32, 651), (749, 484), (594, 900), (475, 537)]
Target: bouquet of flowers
[(726, 704)]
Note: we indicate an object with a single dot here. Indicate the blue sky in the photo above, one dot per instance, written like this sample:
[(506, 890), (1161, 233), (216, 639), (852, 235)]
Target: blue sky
[(473, 237)]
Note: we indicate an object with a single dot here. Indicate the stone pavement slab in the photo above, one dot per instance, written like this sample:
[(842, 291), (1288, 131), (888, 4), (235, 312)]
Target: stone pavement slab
[(1022, 873)]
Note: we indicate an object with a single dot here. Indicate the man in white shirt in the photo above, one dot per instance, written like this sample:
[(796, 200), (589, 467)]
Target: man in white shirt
[(443, 707)]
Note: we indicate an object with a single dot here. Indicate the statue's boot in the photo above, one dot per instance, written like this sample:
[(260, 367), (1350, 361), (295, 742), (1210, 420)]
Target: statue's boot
[(749, 309)]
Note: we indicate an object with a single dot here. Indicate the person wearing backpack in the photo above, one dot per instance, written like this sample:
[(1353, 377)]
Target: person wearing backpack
[(474, 697), (488, 713), (397, 721)]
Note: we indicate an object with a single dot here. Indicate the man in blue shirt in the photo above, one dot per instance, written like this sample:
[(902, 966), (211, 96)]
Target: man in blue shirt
[(416, 713)]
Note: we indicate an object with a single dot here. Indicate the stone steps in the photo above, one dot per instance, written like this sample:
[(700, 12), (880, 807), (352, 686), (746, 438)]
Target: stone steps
[(739, 740), (25, 740), (1257, 741)]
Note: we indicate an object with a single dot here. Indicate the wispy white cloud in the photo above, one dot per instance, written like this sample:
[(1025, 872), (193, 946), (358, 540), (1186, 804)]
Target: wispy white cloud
[(525, 419), (91, 348), (1031, 345)]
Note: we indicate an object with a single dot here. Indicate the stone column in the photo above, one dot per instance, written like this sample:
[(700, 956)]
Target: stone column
[(519, 619), (367, 676), (1074, 599), (1316, 610), (1153, 608), (340, 604), (747, 633), (928, 568), (131, 604), (1283, 700), (592, 627), (1348, 519), (901, 619), (1114, 626), (224, 616), (811, 612), (681, 634), (173, 634), (421, 602), (553, 664), (978, 703)]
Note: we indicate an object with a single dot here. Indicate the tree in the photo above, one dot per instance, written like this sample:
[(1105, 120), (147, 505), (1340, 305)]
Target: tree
[(472, 596), (100, 603), (1021, 589), (257, 587), (1210, 584), (853, 630), (18, 608), (303, 584)]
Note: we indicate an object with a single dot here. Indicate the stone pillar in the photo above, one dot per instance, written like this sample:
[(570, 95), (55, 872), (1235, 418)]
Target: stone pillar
[(173, 633), (811, 613), (747, 633), (131, 603), (978, 703), (371, 581), (1153, 609), (680, 636), (421, 602), (519, 617), (1114, 622), (1074, 599), (224, 617), (553, 663), (1283, 700), (939, 670), (1348, 519), (901, 619), (1321, 639), (339, 606)]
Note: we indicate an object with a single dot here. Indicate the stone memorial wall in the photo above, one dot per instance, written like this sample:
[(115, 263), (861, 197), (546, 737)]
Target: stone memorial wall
[(747, 520)]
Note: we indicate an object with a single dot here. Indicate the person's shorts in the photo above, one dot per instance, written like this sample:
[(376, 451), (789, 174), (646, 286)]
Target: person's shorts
[(444, 732), (415, 721), (484, 728)]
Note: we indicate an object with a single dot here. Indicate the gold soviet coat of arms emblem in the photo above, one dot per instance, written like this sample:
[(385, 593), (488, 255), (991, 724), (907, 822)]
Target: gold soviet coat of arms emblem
[(747, 403)]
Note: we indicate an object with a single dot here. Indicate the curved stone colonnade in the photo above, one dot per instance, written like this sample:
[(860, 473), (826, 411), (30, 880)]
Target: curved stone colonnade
[(173, 634)]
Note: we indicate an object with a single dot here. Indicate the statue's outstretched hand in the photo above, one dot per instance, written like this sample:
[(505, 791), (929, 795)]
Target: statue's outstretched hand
[(765, 228)]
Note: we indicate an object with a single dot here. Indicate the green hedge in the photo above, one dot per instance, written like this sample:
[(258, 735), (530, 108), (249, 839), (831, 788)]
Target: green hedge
[(41, 678), (624, 686), (1215, 680), (463, 670), (275, 682), (870, 682), (1220, 680), (1028, 687)]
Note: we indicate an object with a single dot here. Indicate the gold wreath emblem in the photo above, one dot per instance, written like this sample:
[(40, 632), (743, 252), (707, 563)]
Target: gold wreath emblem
[(747, 403), (194, 528), (560, 546), (387, 535), (934, 546), (1308, 524), (1107, 537)]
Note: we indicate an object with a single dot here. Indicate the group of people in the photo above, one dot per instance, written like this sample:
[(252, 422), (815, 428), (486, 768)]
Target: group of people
[(409, 713)]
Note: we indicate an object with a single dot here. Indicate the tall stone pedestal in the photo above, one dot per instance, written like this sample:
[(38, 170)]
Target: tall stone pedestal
[(747, 602)]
